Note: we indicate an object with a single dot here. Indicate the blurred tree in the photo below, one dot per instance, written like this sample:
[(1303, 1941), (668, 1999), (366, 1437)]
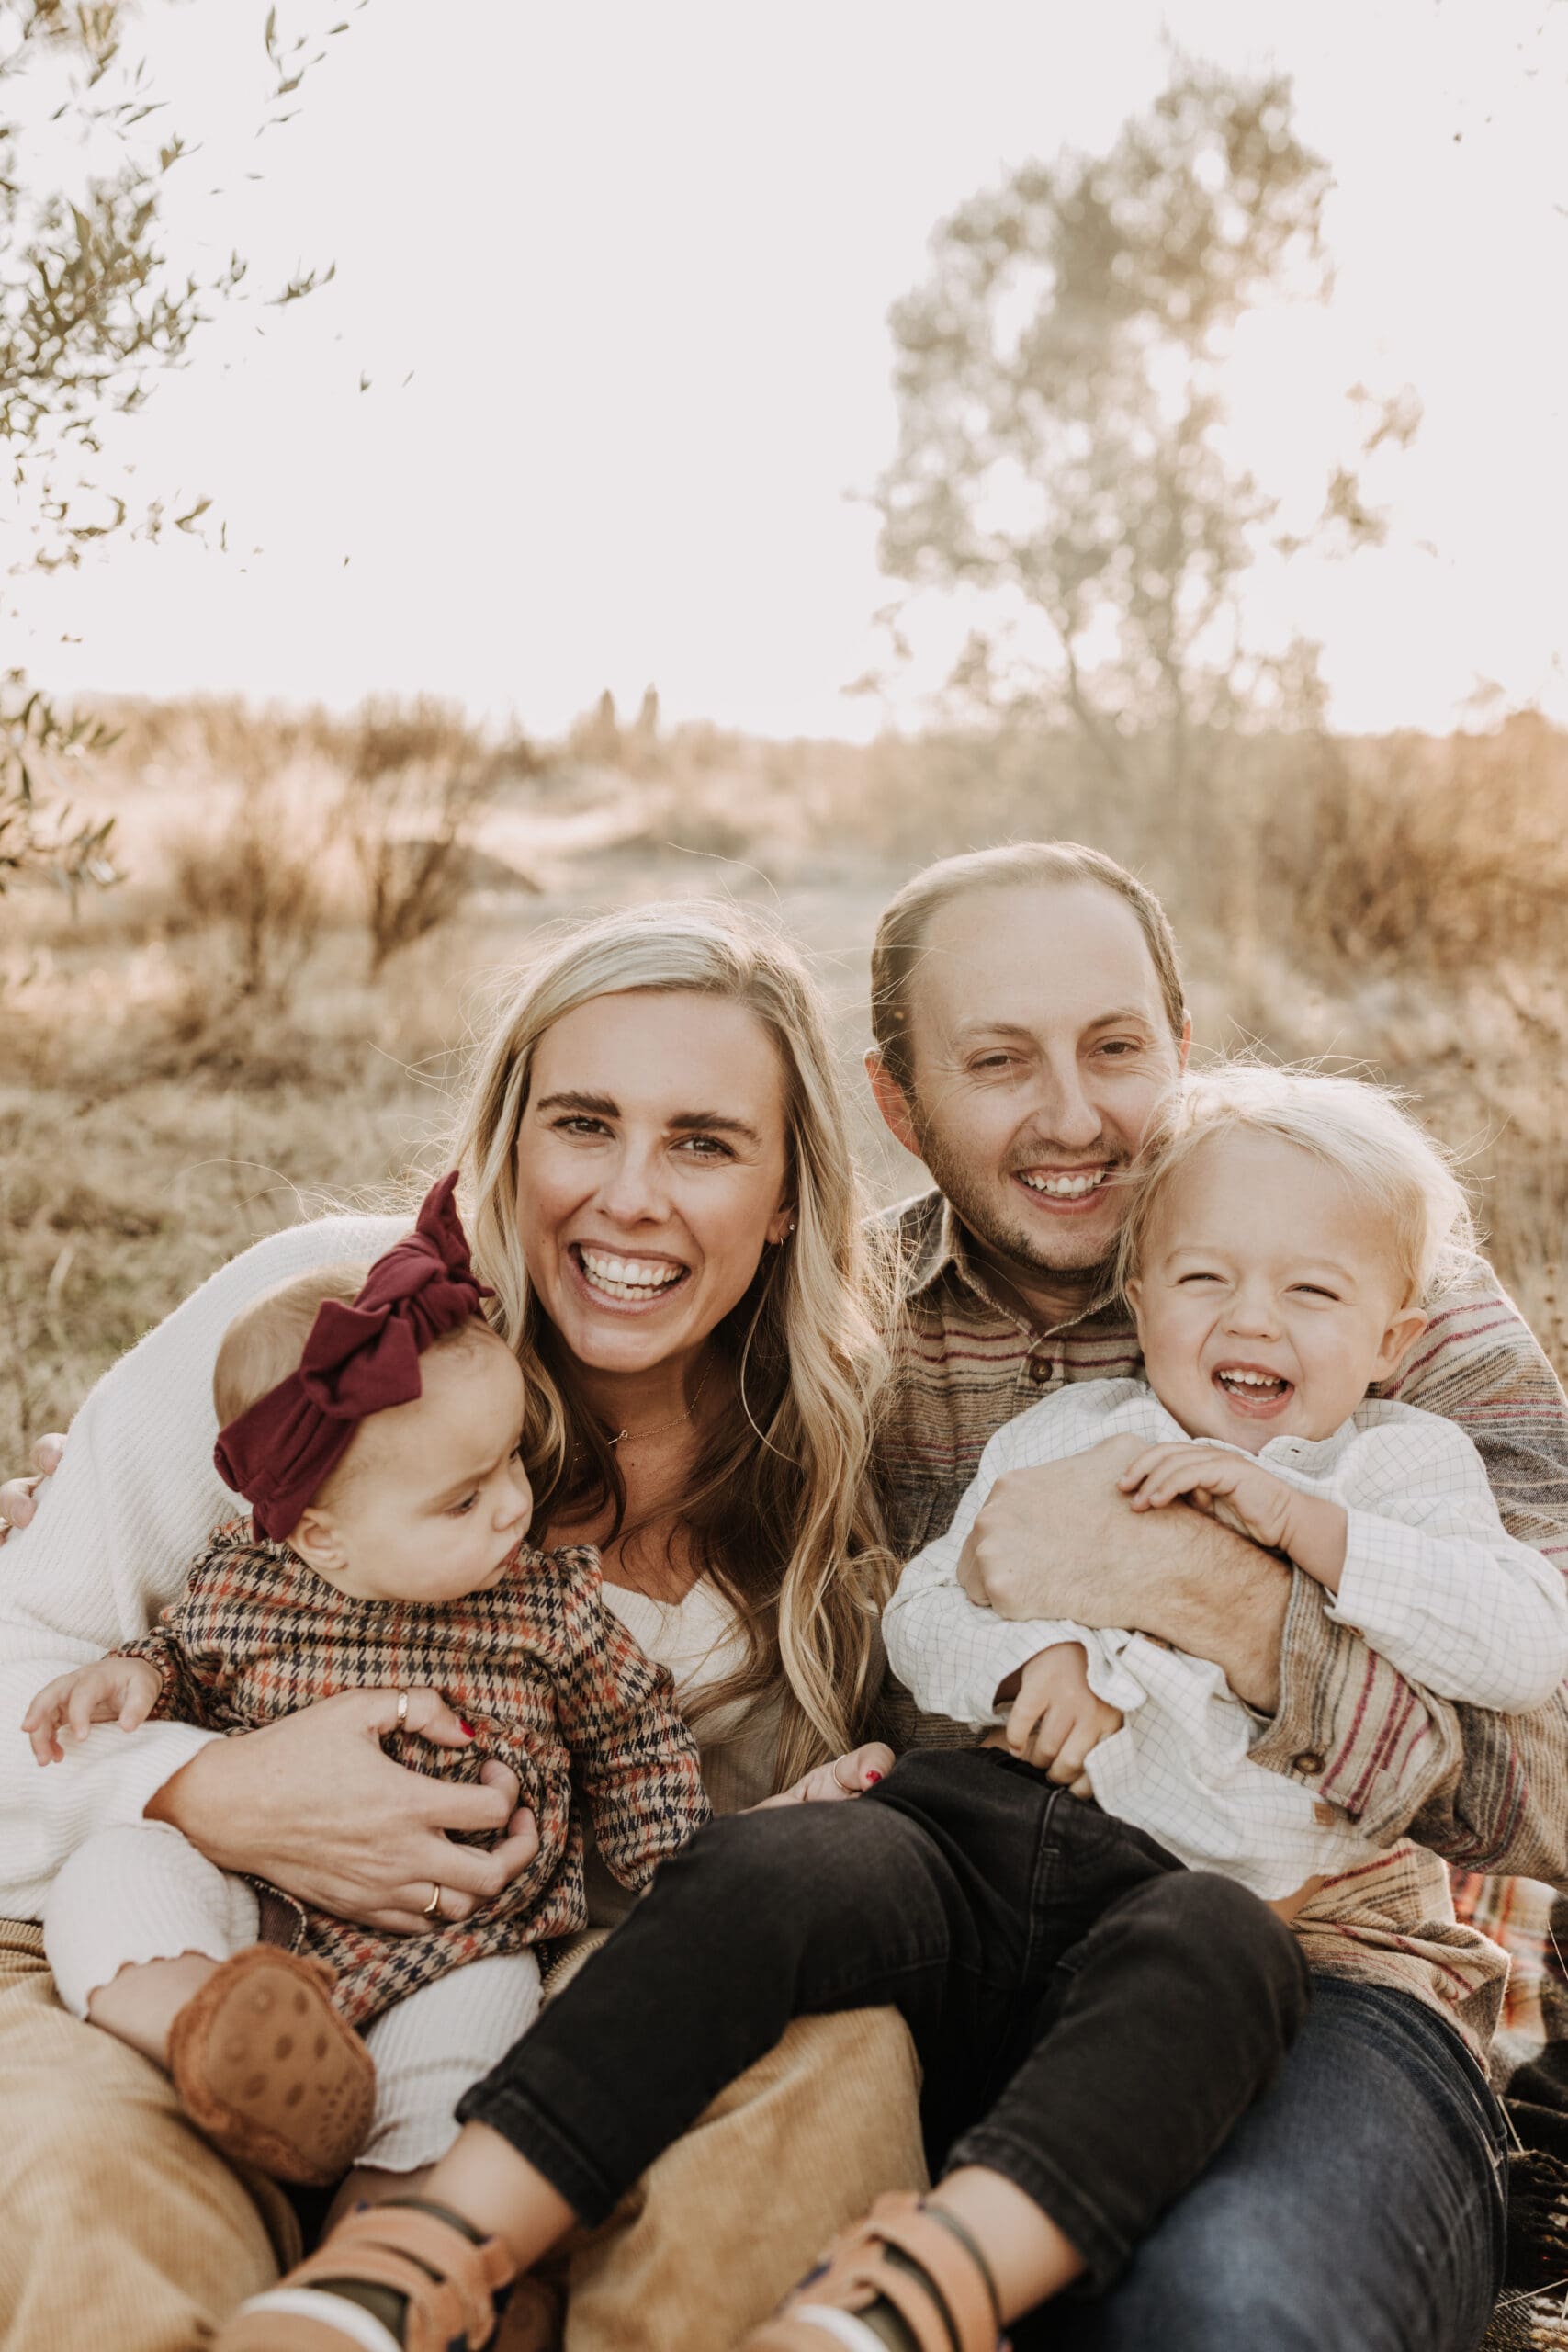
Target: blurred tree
[(595, 737), (1061, 455), (91, 313)]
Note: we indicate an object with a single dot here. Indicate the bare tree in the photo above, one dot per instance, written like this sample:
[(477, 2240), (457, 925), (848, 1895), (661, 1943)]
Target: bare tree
[(92, 312), (1060, 384), (417, 779)]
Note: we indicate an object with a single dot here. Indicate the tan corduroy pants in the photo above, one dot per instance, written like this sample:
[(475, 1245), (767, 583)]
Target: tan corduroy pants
[(122, 2228)]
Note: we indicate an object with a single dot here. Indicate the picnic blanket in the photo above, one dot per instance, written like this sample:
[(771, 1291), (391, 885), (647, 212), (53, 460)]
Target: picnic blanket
[(1529, 2071)]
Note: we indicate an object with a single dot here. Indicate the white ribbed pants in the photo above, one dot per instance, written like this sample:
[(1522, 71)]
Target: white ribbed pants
[(141, 1892)]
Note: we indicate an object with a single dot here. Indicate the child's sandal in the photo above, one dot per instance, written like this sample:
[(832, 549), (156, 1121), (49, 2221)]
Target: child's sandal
[(448, 2283), (268, 2069), (942, 2290)]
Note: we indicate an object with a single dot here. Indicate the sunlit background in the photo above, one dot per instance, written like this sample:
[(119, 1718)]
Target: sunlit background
[(611, 345), (602, 381)]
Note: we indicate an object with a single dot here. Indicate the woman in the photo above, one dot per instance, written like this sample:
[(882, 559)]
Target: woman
[(662, 1196)]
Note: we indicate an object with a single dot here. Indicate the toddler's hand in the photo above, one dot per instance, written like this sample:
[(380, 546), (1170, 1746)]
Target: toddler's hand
[(117, 1690), (1056, 1719), (846, 1776), (1230, 1487)]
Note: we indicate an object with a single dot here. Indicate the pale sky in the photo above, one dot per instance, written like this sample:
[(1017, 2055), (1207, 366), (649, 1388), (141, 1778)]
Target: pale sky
[(635, 258)]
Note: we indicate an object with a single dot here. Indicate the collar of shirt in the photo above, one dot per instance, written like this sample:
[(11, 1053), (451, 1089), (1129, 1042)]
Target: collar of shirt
[(934, 1243)]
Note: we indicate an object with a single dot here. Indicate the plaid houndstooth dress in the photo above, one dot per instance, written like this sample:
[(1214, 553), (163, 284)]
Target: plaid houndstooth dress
[(552, 1683)]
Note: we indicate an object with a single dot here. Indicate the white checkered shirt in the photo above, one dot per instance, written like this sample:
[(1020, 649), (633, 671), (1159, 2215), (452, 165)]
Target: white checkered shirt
[(1432, 1580)]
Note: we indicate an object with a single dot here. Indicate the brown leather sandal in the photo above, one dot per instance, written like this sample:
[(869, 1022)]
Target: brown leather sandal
[(266, 2068), (942, 2292), (449, 2284)]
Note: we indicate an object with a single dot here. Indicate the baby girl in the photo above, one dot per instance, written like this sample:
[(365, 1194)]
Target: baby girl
[(373, 1423)]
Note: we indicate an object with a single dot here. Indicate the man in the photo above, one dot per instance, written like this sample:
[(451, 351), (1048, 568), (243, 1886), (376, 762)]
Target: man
[(1029, 1022)]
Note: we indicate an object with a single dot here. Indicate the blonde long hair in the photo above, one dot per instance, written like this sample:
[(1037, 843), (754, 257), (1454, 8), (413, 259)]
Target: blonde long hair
[(780, 1508)]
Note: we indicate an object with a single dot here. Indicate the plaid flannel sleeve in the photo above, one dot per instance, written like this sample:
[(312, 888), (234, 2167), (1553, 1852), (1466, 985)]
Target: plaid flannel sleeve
[(633, 1758), (1486, 1790)]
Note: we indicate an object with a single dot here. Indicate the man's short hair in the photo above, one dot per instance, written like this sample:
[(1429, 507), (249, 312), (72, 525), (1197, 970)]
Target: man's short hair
[(901, 933)]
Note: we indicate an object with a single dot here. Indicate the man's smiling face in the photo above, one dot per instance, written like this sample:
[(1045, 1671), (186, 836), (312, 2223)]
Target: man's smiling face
[(1041, 1050)]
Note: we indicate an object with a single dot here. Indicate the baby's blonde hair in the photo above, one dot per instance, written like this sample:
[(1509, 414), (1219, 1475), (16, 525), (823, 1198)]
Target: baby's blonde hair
[(264, 1343), (1361, 1131)]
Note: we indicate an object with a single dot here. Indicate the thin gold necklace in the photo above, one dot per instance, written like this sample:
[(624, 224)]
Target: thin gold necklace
[(660, 1427)]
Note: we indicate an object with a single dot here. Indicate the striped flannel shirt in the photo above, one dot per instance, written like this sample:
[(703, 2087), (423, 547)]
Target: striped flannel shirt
[(1487, 1793), (550, 1679)]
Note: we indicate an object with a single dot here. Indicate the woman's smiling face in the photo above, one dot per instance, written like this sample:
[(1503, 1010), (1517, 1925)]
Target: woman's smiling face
[(651, 1171)]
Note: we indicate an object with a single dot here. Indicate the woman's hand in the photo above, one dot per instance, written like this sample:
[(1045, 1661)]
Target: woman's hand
[(846, 1776), (123, 1690), (311, 1804), (19, 1496)]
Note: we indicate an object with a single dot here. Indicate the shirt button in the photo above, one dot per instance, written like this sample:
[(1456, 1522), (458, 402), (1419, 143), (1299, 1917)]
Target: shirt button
[(1308, 1761), (1040, 1371)]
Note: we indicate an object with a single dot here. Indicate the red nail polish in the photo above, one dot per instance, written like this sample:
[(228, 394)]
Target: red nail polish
[(468, 1728), (870, 1778)]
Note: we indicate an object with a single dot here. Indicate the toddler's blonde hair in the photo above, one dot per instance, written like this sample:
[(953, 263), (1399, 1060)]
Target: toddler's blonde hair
[(1364, 1131)]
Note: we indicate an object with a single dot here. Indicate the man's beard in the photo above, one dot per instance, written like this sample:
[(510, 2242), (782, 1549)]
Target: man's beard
[(1074, 1264)]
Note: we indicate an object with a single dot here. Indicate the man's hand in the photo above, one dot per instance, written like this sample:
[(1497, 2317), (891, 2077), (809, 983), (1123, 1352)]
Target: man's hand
[(1061, 1523), (18, 1496), (1062, 1541), (312, 1804), (1055, 1720), (846, 1776), (123, 1690)]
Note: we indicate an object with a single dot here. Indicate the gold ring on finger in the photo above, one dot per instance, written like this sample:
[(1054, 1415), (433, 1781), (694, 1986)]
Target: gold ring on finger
[(432, 1909)]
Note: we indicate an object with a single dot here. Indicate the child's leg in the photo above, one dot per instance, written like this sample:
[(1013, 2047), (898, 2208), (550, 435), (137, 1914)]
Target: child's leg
[(155, 1944), (1179, 2007), (427, 2050), (136, 1923), (1160, 2027), (762, 1918)]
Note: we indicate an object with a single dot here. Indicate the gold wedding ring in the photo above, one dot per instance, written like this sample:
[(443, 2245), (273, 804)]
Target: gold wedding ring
[(433, 1906), (837, 1762), (402, 1709)]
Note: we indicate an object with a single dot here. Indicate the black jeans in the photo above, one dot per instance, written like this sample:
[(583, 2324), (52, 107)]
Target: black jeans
[(1092, 2020)]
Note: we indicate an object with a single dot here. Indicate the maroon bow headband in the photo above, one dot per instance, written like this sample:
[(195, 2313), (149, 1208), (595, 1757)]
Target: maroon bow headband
[(357, 1361)]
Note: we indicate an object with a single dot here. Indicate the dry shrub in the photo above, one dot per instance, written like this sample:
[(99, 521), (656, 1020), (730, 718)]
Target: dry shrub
[(1446, 855), (417, 779), (253, 872)]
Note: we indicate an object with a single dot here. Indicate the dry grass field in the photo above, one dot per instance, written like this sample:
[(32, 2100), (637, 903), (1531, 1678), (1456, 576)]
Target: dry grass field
[(270, 1013)]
